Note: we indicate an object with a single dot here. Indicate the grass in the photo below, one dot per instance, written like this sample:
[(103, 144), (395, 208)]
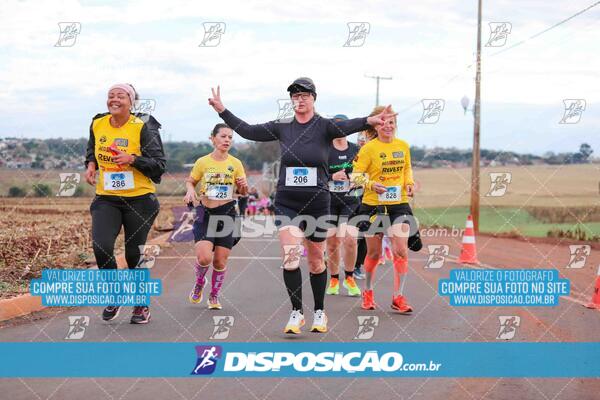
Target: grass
[(531, 186), (498, 220), (54, 232)]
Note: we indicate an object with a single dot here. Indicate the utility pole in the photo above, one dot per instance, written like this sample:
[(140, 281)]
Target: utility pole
[(377, 79), (476, 125)]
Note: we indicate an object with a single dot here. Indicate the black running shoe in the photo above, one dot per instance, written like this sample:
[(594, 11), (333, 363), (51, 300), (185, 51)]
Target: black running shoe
[(141, 315), (110, 313)]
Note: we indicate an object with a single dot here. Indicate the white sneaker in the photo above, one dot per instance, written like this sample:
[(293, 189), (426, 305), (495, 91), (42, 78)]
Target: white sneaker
[(320, 322), (295, 323)]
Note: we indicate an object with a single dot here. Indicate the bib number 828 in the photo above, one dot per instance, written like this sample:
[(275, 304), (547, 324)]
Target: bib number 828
[(300, 179)]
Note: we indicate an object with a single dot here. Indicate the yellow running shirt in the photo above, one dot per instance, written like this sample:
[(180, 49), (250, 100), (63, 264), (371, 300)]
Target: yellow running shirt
[(388, 164), (116, 180), (217, 178)]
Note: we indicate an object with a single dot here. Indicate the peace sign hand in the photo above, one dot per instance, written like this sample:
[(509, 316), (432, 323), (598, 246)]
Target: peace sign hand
[(215, 100), (379, 119)]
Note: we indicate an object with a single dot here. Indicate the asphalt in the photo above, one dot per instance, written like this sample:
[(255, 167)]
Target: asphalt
[(254, 295)]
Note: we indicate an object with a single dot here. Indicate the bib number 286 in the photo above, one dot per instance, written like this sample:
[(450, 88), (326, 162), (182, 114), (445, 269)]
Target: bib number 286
[(118, 180)]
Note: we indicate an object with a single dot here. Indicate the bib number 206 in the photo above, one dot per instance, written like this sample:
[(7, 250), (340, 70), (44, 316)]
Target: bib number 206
[(300, 179), (301, 176)]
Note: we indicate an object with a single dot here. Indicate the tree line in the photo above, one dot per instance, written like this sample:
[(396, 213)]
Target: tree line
[(253, 155)]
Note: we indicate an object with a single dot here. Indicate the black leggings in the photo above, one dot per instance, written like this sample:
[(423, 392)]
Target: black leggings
[(242, 204), (109, 213)]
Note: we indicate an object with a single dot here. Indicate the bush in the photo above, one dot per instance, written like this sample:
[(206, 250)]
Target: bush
[(41, 190), (16, 191), (578, 233), (78, 191)]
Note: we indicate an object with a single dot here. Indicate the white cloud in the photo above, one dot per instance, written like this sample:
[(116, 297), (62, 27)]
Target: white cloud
[(426, 46)]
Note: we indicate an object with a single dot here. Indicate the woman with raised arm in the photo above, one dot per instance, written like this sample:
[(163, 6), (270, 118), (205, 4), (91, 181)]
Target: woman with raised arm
[(385, 162), (302, 199)]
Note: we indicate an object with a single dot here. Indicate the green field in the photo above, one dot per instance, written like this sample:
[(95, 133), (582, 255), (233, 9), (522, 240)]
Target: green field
[(539, 198), (499, 220)]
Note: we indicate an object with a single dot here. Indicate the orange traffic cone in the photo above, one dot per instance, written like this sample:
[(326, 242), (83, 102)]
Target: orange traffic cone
[(468, 253), (596, 296)]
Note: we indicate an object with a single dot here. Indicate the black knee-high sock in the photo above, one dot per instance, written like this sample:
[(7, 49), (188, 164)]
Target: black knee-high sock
[(361, 252), (318, 282), (293, 284)]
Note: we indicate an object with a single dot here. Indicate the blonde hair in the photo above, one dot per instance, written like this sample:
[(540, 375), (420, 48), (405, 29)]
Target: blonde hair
[(371, 132)]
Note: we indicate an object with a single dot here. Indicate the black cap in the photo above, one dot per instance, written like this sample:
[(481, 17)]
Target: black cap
[(303, 84)]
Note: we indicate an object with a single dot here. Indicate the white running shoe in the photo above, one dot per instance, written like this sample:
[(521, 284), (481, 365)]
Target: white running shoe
[(295, 323), (319, 322)]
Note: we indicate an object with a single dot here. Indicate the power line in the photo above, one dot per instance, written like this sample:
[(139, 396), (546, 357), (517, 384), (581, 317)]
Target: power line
[(546, 30), (508, 48)]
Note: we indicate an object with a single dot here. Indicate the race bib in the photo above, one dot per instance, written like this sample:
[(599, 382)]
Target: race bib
[(394, 193), (219, 192), (122, 180), (339, 186), (300, 176)]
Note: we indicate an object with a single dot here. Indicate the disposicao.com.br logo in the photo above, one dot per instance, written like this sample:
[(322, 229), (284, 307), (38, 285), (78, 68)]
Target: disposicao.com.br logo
[(285, 363)]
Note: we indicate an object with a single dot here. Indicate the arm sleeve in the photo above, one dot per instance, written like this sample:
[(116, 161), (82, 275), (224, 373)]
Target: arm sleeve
[(90, 154), (152, 162), (408, 172), (266, 132), (344, 128)]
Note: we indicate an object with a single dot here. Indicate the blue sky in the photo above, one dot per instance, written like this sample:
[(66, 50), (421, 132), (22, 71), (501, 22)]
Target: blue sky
[(425, 46)]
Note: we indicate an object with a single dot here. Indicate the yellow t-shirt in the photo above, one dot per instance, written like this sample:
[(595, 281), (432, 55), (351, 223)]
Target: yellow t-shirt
[(388, 164), (114, 180), (208, 171)]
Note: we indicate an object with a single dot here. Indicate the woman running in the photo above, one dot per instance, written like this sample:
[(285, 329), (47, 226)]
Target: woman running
[(385, 160), (342, 239), (127, 151), (361, 248), (219, 175), (302, 193)]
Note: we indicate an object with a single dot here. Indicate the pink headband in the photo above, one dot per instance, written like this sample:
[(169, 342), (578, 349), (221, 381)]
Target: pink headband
[(127, 89)]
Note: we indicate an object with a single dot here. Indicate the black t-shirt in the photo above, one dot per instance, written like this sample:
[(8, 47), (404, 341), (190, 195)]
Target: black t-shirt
[(303, 146), (342, 160)]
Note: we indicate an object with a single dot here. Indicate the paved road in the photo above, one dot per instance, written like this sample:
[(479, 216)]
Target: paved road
[(255, 297)]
